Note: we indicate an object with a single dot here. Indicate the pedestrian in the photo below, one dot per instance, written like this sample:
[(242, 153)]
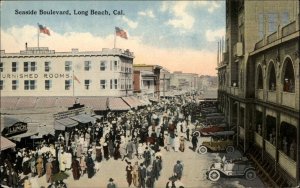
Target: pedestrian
[(194, 141), (150, 177), (32, 165), (105, 151), (49, 168), (142, 175), (187, 133), (98, 153), (181, 145), (122, 150), (147, 157), (135, 174), (129, 169), (176, 143), (140, 151), (90, 166), (75, 168), (111, 183), (39, 166), (177, 170), (171, 183), (130, 149), (156, 167), (82, 165), (63, 161)]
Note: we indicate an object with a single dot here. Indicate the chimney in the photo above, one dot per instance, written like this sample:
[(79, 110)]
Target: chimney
[(26, 46)]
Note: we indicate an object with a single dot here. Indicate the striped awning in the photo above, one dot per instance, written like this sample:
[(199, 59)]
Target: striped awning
[(117, 104), (97, 103), (83, 118)]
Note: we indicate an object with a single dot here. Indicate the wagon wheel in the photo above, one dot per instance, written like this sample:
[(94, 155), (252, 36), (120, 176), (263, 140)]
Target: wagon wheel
[(214, 175), (230, 149), (250, 174), (196, 133), (202, 150)]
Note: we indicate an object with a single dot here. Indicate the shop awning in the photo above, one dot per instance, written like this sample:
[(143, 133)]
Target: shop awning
[(132, 101), (145, 101), (31, 131), (97, 103), (43, 131), (83, 118), (61, 124), (6, 144), (117, 104)]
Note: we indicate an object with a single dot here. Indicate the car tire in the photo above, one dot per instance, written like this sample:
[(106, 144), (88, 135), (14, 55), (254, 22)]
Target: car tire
[(214, 175), (196, 133), (229, 149), (202, 150), (250, 174)]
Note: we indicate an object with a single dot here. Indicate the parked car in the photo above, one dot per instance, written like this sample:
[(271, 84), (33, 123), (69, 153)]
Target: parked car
[(227, 168), (208, 130), (219, 141)]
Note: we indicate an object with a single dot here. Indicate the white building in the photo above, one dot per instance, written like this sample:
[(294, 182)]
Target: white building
[(44, 72)]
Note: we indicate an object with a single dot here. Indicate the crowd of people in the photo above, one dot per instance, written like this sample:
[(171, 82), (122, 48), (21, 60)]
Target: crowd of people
[(133, 135)]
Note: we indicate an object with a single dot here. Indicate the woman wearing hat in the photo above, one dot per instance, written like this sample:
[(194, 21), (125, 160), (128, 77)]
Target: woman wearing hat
[(49, 168), (111, 183), (75, 169)]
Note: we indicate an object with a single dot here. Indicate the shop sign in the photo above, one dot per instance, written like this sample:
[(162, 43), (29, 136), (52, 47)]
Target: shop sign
[(17, 128)]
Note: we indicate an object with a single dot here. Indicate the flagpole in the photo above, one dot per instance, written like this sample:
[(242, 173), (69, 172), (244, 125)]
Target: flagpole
[(38, 41), (115, 40), (73, 83)]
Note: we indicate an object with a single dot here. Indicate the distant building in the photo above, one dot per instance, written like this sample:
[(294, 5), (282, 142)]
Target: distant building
[(165, 82), (259, 85), (183, 81), (44, 72)]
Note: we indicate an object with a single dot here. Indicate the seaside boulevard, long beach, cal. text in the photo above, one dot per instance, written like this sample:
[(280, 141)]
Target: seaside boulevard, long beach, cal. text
[(68, 12)]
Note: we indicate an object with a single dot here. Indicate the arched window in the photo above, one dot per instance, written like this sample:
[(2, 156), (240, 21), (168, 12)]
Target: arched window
[(259, 78), (272, 77), (288, 78)]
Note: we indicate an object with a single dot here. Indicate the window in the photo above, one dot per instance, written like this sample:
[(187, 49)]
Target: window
[(68, 66), (30, 66), (29, 84), (261, 26), (33, 66), (67, 84), (115, 65), (87, 65), (285, 18), (14, 84), (87, 84), (272, 22), (1, 84), (102, 84), (272, 78), (47, 66), (48, 84), (14, 66), (102, 66), (116, 83), (1, 67), (111, 84)]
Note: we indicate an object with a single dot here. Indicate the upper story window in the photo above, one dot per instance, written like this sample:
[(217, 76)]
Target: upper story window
[(1, 84), (68, 84), (68, 65), (115, 65), (14, 84), (116, 83), (14, 66), (30, 66), (1, 67), (272, 22), (102, 66), (261, 25), (47, 66), (102, 84), (29, 84), (87, 84), (48, 84), (87, 65)]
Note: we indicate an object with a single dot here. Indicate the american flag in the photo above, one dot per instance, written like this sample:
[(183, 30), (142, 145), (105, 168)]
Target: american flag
[(44, 29), (121, 33)]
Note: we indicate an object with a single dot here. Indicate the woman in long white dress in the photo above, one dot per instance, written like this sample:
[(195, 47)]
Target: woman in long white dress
[(176, 143)]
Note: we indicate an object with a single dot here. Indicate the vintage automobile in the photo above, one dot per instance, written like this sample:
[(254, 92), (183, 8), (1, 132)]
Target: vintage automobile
[(219, 141), (233, 168), (207, 130)]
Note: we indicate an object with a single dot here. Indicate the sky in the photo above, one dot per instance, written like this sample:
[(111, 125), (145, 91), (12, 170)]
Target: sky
[(178, 35)]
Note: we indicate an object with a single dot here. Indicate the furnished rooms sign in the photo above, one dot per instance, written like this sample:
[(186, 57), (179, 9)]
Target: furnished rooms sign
[(32, 76), (17, 128)]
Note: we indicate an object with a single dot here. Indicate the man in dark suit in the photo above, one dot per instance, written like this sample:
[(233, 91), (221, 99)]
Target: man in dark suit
[(142, 175), (111, 183)]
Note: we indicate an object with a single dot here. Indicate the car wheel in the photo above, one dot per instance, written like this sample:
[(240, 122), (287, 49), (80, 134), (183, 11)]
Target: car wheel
[(230, 149), (214, 175), (196, 133), (202, 150), (250, 174)]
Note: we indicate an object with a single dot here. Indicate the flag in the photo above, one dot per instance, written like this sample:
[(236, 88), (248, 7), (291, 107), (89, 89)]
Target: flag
[(44, 29), (121, 33), (75, 78)]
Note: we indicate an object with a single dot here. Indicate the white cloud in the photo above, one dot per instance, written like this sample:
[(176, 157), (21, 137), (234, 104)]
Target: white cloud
[(175, 59), (182, 19), (148, 13), (211, 6), (213, 35), (129, 22)]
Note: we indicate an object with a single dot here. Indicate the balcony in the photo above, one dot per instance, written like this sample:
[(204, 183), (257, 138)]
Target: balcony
[(259, 44), (234, 91), (287, 164), (271, 96), (272, 37), (289, 29), (258, 140), (238, 49), (288, 99), (260, 94), (270, 149)]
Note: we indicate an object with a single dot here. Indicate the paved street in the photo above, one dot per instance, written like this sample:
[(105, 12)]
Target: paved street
[(195, 166)]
